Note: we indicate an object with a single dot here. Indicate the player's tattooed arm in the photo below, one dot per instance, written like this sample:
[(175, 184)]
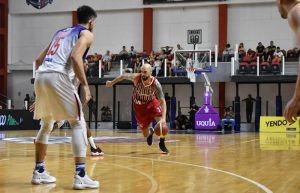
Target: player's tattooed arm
[(161, 99), (130, 77)]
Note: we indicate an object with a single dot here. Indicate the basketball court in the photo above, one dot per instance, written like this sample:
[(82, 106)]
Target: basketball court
[(206, 162), (211, 151)]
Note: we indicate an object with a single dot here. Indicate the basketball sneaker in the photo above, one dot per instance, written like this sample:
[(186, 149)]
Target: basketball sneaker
[(150, 136), (85, 182), (96, 152), (42, 178), (162, 146)]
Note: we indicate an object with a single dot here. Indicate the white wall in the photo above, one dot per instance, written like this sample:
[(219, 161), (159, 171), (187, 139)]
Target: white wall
[(170, 26), (117, 28), (29, 34), (258, 23)]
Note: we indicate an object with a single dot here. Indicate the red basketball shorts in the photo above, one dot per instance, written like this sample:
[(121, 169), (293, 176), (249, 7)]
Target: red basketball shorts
[(145, 113)]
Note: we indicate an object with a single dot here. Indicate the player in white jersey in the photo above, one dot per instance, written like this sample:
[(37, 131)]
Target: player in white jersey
[(57, 98), (95, 150)]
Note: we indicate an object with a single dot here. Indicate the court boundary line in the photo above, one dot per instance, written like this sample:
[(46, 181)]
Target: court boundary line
[(154, 184), (264, 188)]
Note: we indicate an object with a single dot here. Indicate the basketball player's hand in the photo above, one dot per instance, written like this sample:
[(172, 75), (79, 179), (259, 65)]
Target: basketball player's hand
[(32, 107), (109, 84), (291, 110), (87, 95), (162, 121)]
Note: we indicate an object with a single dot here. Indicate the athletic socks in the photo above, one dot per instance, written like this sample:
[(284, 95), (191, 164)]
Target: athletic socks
[(80, 169), (40, 166)]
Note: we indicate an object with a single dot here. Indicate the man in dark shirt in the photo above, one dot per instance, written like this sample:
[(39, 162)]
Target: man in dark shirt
[(260, 50), (249, 107), (271, 48)]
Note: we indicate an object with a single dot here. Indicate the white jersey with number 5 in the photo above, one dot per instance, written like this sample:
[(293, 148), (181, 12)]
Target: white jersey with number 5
[(58, 55)]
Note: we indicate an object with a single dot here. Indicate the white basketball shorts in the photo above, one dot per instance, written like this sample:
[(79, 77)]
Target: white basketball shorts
[(56, 97)]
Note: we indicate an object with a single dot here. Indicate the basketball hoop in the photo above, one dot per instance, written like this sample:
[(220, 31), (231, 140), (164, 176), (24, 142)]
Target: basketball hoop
[(192, 62), (191, 74)]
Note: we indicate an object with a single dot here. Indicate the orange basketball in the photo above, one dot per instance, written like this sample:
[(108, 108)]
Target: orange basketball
[(161, 129)]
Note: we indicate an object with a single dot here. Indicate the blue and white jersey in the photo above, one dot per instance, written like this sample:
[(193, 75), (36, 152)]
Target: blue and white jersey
[(58, 56)]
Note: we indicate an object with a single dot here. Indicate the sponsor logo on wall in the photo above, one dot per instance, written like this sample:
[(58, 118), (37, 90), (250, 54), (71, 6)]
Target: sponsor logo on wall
[(9, 120), (39, 4)]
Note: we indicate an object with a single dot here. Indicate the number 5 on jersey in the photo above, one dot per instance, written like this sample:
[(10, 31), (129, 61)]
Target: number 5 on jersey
[(54, 47)]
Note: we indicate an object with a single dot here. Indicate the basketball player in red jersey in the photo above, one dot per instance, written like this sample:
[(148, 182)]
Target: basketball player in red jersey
[(148, 102), (290, 9)]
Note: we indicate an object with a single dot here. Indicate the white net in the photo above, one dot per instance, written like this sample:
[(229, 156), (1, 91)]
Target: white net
[(192, 62)]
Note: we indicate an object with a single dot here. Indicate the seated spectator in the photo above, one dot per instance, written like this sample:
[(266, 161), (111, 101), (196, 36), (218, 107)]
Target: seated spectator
[(157, 66), (260, 50), (97, 58), (144, 55), (124, 55), (167, 49), (179, 47), (271, 48), (228, 118), (107, 60), (241, 51), (91, 71), (227, 53), (131, 66), (293, 53), (132, 52), (152, 57), (161, 55), (277, 56), (137, 65), (266, 56), (251, 53)]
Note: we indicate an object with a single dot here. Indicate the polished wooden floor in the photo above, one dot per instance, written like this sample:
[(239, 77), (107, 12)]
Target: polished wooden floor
[(200, 163)]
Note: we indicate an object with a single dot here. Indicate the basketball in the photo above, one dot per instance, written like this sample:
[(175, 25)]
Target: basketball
[(161, 129)]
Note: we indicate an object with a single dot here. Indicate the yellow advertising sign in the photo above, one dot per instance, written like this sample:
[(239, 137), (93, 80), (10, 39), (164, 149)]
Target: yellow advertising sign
[(279, 141), (278, 125)]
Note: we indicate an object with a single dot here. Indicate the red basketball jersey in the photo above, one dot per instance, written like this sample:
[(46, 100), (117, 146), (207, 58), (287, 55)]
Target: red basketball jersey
[(143, 94)]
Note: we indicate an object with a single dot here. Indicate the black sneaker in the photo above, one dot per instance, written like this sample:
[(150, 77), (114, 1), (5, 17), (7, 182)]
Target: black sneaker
[(150, 136), (96, 152), (162, 146)]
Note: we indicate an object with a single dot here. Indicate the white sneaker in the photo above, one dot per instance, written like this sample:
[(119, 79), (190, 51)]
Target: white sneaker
[(42, 178), (85, 182)]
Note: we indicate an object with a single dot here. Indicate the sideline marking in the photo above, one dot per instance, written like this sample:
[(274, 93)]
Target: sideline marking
[(264, 188)]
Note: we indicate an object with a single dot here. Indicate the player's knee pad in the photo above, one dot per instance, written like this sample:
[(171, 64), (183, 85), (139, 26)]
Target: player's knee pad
[(79, 138), (45, 130)]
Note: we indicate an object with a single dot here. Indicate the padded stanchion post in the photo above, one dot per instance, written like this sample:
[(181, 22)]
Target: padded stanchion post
[(133, 120), (192, 101), (278, 106), (237, 110), (173, 112), (257, 112)]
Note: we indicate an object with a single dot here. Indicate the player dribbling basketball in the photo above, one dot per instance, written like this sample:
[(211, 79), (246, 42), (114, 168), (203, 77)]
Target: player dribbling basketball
[(148, 102)]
